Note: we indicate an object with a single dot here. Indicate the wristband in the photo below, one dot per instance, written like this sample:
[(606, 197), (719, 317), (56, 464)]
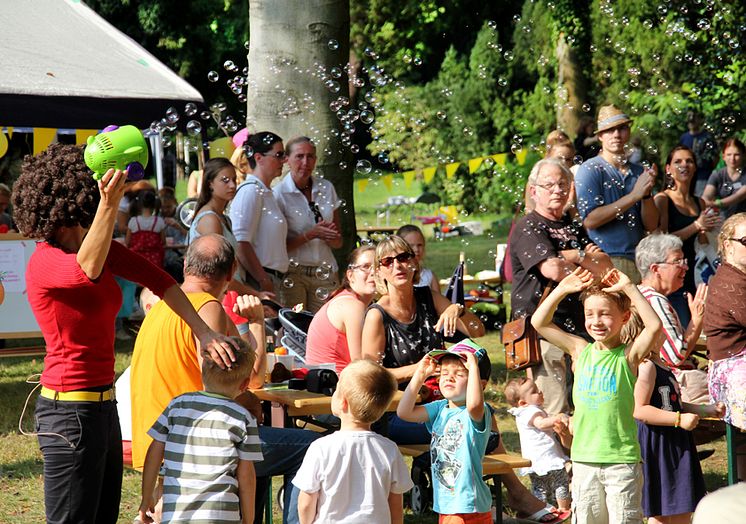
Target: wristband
[(678, 419), (718, 202)]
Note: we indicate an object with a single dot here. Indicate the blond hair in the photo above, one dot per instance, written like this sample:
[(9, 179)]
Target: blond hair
[(387, 246), (727, 231), (513, 390), (368, 389), (621, 300), (213, 376)]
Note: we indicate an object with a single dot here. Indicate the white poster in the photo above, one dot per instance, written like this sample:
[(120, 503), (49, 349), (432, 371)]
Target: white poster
[(12, 264)]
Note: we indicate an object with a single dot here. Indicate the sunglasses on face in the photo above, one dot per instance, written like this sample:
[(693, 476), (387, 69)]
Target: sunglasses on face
[(279, 155), (402, 258), (741, 240)]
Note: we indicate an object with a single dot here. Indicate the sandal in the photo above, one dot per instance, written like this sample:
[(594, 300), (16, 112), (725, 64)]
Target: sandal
[(549, 515)]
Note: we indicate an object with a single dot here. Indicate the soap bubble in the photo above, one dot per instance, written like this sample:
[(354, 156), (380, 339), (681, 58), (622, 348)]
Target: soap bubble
[(288, 283), (193, 127), (322, 273), (363, 167), (322, 293), (229, 65), (213, 76), (172, 115), (367, 117), (190, 109)]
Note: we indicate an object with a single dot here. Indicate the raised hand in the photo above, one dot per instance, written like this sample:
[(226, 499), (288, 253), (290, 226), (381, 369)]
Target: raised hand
[(249, 307), (697, 302), (219, 348), (576, 281), (615, 281)]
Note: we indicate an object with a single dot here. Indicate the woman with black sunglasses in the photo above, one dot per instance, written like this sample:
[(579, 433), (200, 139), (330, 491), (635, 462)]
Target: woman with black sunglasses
[(725, 327), (258, 222), (311, 207)]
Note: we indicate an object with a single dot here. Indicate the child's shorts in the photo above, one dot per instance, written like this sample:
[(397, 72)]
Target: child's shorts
[(466, 518), (555, 484)]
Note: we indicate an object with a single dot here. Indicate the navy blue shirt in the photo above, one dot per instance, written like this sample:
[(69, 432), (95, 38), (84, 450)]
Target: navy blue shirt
[(598, 183)]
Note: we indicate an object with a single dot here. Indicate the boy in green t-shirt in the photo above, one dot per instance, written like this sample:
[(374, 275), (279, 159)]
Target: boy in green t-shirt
[(607, 476)]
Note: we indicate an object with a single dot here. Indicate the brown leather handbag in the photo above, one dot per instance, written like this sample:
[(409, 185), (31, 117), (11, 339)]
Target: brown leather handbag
[(521, 341)]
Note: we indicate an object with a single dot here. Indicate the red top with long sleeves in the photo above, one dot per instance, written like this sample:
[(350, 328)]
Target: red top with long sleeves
[(76, 315)]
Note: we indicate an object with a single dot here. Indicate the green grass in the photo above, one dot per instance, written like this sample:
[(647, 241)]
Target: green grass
[(21, 487)]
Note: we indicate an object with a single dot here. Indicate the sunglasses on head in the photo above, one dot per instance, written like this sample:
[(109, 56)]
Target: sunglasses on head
[(401, 258), (741, 240)]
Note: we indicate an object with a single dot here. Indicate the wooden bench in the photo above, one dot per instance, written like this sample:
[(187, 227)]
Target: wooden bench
[(493, 466)]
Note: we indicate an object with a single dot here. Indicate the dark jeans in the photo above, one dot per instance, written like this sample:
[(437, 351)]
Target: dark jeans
[(283, 450), (83, 474)]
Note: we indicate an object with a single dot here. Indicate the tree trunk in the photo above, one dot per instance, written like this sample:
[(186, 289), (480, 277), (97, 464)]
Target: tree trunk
[(572, 93), (294, 44)]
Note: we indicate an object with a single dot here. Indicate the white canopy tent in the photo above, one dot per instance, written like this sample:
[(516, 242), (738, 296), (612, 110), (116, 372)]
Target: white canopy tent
[(64, 66)]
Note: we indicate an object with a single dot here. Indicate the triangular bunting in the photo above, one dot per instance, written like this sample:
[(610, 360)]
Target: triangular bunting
[(474, 164), (408, 178), (521, 156), (362, 184), (10, 131), (43, 136), (500, 159), (451, 169), (388, 181), (428, 173), (81, 135)]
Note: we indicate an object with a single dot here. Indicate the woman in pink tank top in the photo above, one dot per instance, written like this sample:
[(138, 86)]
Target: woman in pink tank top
[(335, 334)]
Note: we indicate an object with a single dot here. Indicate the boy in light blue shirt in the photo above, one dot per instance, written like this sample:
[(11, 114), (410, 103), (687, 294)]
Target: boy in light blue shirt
[(460, 427)]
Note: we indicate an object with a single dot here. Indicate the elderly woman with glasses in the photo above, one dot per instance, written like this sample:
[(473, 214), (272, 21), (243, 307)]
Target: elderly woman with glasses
[(725, 326), (258, 222), (662, 263), (311, 207), (336, 331), (545, 246)]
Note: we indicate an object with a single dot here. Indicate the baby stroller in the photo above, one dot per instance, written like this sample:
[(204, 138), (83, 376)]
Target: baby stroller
[(295, 326)]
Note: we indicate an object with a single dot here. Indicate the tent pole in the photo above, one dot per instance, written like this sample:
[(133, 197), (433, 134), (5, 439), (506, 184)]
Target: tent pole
[(157, 148)]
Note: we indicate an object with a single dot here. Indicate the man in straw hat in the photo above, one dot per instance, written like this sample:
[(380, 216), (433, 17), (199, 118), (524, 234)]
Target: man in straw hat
[(614, 196)]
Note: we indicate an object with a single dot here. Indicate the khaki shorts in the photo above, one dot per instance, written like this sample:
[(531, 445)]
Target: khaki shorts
[(628, 267), (606, 493)]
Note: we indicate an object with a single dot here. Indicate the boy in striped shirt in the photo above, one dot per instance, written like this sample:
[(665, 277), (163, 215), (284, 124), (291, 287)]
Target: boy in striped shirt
[(207, 443)]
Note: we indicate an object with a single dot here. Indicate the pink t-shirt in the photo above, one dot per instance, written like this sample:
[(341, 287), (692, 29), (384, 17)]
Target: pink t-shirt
[(325, 343)]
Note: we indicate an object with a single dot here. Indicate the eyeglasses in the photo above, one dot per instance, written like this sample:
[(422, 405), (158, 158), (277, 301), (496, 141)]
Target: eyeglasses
[(402, 258), (681, 262), (741, 240), (562, 186), (316, 211), (279, 155), (365, 268)]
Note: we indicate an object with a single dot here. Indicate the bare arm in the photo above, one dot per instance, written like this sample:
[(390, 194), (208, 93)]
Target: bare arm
[(734, 199), (645, 412), (246, 476), (211, 321), (661, 204), (396, 508), (326, 231), (352, 316), (575, 282), (474, 390), (407, 410), (450, 321), (435, 284), (307, 504), (94, 249), (250, 308), (153, 459), (210, 224), (606, 213), (544, 421)]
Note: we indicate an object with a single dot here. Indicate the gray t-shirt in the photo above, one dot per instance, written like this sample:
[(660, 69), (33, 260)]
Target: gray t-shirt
[(725, 187)]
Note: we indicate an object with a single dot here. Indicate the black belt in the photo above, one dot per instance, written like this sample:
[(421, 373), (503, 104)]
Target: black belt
[(273, 272)]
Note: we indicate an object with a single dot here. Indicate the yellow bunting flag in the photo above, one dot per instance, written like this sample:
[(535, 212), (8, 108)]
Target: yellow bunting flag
[(3, 144), (500, 159), (222, 148), (428, 173), (10, 131), (451, 169), (81, 135), (474, 164), (408, 178), (388, 181), (362, 184), (43, 136), (521, 156)]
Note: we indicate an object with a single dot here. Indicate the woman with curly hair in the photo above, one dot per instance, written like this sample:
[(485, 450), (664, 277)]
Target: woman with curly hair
[(72, 292)]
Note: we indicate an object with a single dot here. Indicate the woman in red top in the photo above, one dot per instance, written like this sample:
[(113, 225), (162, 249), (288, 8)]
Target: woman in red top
[(72, 292), (336, 331)]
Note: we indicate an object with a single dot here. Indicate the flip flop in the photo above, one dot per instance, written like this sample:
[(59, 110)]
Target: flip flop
[(548, 515)]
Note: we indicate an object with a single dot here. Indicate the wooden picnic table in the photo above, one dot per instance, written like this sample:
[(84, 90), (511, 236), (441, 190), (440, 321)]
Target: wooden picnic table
[(371, 231)]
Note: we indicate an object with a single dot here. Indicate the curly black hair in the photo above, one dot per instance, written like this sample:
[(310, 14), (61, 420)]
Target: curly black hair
[(56, 189)]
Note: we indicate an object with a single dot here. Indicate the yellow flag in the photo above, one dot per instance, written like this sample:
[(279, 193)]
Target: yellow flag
[(521, 156), (81, 135), (222, 147), (43, 136), (3, 144), (388, 181), (362, 184), (451, 169), (408, 178), (428, 173), (10, 131), (500, 159), (474, 164)]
